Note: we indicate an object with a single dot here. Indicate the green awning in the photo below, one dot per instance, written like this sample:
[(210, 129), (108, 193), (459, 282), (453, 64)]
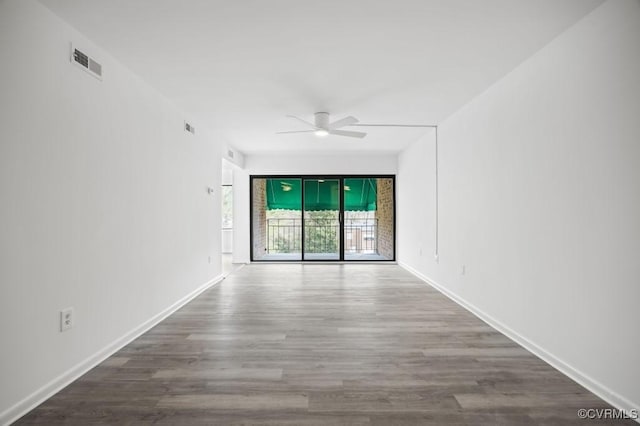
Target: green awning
[(286, 194), (360, 194)]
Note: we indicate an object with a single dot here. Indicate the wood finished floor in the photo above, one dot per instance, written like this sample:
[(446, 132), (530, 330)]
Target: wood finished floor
[(321, 345)]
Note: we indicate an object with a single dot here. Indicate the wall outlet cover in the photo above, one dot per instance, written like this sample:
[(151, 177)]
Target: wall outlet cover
[(66, 319)]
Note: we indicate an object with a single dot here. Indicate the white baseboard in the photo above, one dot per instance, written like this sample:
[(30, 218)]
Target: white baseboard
[(611, 397), (45, 392)]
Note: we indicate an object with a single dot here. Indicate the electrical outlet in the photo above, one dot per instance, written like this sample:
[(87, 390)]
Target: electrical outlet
[(463, 270), (66, 319), (209, 259), (420, 251)]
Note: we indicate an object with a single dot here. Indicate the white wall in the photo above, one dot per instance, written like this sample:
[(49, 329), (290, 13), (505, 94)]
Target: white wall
[(104, 206), (415, 202), (227, 172), (539, 198), (319, 163), (241, 220), (232, 155)]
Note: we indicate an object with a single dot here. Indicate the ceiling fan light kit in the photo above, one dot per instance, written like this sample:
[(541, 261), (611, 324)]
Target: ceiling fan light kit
[(322, 126)]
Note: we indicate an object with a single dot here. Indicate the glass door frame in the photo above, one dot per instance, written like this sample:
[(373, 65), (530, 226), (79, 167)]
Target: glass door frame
[(341, 178), (340, 251)]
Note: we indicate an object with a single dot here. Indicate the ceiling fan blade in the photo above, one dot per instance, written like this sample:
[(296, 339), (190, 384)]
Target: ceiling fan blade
[(347, 121), (347, 133), (304, 121), (295, 131), (392, 125)]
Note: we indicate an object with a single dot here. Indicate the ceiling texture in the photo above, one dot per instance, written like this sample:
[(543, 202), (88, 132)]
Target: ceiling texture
[(240, 66)]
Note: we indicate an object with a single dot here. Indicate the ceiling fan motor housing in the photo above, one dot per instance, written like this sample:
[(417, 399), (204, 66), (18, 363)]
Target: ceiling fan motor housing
[(322, 120)]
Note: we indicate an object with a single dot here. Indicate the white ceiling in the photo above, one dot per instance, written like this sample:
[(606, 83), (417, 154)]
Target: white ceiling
[(240, 66)]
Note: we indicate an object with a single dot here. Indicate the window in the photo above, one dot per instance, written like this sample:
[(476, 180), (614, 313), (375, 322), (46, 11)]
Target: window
[(227, 207)]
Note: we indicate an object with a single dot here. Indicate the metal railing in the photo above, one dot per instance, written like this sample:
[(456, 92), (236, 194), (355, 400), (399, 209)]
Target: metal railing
[(284, 235), (361, 236), (321, 235)]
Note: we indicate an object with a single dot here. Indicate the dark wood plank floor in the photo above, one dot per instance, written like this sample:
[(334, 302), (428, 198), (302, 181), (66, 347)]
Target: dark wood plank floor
[(321, 345)]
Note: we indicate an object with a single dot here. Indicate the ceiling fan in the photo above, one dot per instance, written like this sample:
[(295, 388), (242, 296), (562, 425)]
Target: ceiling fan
[(323, 127)]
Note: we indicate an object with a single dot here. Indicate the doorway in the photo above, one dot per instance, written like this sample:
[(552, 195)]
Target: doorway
[(323, 218)]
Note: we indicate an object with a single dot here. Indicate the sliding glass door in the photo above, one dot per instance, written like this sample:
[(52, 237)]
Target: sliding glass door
[(315, 218), (369, 223), (322, 219), (276, 219)]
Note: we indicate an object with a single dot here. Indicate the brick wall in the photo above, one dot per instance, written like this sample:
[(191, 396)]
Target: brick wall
[(259, 225), (384, 214)]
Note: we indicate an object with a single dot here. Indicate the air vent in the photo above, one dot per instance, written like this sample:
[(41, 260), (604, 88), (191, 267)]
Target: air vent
[(230, 153), (81, 58), (87, 63), (189, 128), (95, 67)]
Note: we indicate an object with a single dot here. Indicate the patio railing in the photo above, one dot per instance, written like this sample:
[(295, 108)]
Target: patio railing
[(284, 235)]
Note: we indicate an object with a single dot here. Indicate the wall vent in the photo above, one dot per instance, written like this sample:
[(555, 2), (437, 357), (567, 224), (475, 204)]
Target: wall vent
[(189, 128), (230, 153), (87, 63)]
